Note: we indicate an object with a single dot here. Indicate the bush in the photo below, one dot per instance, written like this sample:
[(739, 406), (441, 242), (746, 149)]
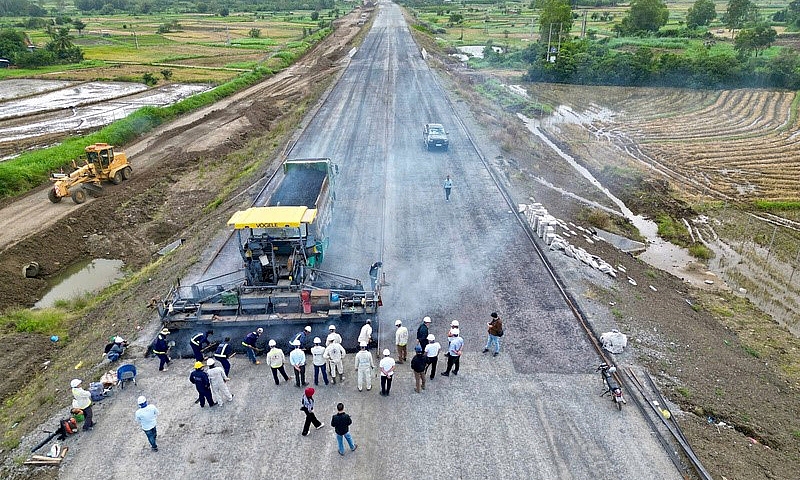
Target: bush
[(700, 251)]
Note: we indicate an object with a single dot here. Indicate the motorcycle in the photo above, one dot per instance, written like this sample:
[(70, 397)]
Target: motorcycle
[(613, 387)]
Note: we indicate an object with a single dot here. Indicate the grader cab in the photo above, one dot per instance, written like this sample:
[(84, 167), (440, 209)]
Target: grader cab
[(101, 164)]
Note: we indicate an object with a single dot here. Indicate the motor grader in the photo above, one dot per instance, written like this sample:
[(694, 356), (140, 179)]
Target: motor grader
[(101, 164)]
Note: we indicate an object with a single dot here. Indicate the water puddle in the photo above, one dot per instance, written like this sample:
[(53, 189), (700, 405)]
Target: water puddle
[(660, 254), (81, 278)]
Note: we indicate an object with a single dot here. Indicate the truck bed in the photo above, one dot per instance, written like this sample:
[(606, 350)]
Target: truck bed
[(300, 187)]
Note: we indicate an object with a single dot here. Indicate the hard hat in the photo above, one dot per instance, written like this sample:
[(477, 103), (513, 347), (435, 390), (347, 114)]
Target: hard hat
[(210, 362), (309, 392), (118, 340), (198, 365), (141, 400), (454, 332), (369, 320), (362, 344), (164, 331), (386, 352), (454, 323), (272, 343), (431, 337), (427, 320), (397, 323), (294, 342), (260, 330), (317, 340), (308, 328), (75, 382), (331, 327), (418, 349)]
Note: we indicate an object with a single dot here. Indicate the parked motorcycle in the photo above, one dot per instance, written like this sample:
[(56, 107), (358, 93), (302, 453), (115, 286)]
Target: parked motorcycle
[(613, 387)]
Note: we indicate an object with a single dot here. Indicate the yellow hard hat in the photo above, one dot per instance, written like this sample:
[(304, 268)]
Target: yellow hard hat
[(198, 364)]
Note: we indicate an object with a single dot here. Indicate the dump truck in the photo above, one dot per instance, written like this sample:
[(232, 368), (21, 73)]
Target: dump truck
[(101, 164), (280, 285)]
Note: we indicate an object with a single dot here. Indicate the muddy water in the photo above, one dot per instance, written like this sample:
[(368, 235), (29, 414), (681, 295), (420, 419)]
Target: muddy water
[(82, 278), (660, 254)]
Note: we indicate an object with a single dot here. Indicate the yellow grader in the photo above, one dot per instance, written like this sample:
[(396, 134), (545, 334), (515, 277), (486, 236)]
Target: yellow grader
[(102, 164)]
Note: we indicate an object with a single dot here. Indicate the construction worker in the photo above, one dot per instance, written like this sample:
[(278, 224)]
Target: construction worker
[(223, 354), (418, 365), (146, 418), (456, 343), (160, 348), (400, 340), (387, 371), (117, 349), (218, 379), (82, 400), (275, 358), (373, 274), (249, 344), (318, 359), (332, 335), (422, 332), (297, 359), (198, 342), (335, 353), (366, 332), (203, 385), (307, 407), (303, 337), (453, 326), (364, 366), (432, 354)]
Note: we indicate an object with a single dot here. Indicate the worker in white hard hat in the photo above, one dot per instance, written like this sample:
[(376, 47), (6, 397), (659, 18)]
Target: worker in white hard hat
[(276, 358), (332, 336), (218, 379), (318, 359), (249, 344), (116, 349), (297, 359), (335, 353), (366, 332), (364, 366), (422, 332), (400, 340), (82, 399), (146, 418), (454, 347), (432, 354), (386, 366), (160, 349), (304, 337), (453, 326)]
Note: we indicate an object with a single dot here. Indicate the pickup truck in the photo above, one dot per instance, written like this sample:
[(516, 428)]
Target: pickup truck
[(435, 136)]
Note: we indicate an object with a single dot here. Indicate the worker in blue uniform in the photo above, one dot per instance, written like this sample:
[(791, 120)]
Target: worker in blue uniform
[(203, 385), (223, 354), (249, 344), (160, 348), (198, 342)]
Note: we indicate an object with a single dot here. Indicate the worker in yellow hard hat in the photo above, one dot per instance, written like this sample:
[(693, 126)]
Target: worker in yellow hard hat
[(203, 385)]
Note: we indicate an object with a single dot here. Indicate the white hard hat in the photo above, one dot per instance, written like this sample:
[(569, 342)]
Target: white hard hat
[(210, 362), (118, 340), (362, 344), (260, 330), (308, 328), (431, 337), (272, 343), (454, 323), (386, 352), (397, 323), (369, 320), (75, 382), (164, 331), (331, 327), (141, 400), (294, 342), (427, 320), (317, 340), (454, 331)]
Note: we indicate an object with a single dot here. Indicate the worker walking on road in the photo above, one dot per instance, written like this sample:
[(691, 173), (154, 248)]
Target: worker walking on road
[(341, 424), (335, 353), (308, 408), (223, 354), (82, 400), (203, 385), (249, 344), (332, 335), (318, 359), (374, 269), (198, 342), (495, 331), (418, 364), (276, 358), (455, 344), (422, 332), (365, 335), (146, 418), (432, 354), (219, 381), (400, 341), (364, 367), (297, 359), (160, 348), (448, 185), (387, 371)]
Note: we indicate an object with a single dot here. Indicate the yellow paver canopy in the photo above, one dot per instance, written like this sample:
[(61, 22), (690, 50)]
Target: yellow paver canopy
[(272, 217)]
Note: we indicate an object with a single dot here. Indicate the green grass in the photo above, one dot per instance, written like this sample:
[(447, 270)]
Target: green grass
[(684, 392), (777, 205), (700, 251), (752, 351), (47, 321)]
